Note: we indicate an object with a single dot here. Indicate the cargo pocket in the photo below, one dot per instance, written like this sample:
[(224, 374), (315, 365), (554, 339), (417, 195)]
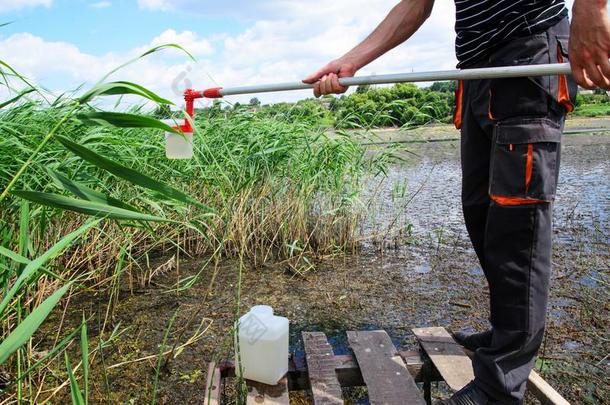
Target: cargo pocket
[(525, 161), (522, 96), (563, 88), (459, 103)]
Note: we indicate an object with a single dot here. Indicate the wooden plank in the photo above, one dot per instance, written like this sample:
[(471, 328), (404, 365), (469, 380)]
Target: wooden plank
[(386, 376), (212, 385), (263, 394), (321, 365), (447, 356), (543, 391)]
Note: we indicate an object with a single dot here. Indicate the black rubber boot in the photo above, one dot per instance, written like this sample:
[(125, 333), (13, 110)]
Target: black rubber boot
[(469, 395), (472, 341)]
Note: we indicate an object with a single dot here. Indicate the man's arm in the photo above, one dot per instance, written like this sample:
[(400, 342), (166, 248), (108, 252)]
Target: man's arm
[(590, 43), (404, 19)]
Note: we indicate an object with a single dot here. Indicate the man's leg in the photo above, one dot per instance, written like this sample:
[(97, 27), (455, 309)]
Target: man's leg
[(523, 120), (518, 250), (524, 165), (516, 244), (476, 138)]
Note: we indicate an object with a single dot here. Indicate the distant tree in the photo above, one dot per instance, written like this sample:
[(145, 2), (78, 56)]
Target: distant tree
[(363, 88), (255, 102), (444, 87)]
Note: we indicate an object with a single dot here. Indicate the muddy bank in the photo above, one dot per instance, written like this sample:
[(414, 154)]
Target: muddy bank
[(432, 278)]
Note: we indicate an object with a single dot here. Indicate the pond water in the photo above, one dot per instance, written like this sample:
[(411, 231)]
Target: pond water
[(441, 257)]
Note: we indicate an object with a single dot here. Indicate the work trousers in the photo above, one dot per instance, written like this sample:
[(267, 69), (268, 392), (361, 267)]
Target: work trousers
[(510, 146)]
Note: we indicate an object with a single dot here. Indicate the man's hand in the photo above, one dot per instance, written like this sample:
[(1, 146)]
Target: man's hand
[(326, 80), (590, 44)]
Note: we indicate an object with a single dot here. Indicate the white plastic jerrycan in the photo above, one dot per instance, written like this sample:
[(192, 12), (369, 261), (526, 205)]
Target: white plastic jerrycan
[(263, 346)]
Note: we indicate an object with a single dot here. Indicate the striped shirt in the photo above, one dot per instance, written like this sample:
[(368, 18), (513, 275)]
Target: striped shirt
[(482, 25)]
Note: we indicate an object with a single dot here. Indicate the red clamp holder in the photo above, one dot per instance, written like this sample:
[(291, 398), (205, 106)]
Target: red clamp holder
[(212, 93), (190, 96)]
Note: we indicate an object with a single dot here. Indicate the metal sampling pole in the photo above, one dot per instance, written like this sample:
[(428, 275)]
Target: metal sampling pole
[(501, 72), (464, 74)]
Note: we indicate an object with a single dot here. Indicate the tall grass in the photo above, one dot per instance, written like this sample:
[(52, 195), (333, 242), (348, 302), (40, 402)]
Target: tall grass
[(270, 185), (259, 189)]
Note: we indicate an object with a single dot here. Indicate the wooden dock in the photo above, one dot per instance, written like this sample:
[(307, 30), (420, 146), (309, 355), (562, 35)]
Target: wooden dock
[(392, 377)]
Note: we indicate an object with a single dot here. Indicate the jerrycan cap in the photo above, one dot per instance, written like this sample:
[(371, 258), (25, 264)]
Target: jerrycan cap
[(262, 310)]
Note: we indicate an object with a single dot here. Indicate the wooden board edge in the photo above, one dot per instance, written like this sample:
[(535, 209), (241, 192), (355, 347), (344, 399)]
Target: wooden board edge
[(455, 375), (212, 385), (543, 391)]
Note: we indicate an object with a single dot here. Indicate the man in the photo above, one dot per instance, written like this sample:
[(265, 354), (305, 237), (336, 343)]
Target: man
[(511, 132)]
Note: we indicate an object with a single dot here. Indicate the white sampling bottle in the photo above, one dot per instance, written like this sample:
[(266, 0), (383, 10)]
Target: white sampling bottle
[(178, 146), (263, 346)]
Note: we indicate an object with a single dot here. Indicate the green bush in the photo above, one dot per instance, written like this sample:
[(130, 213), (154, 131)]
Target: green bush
[(592, 99), (399, 105)]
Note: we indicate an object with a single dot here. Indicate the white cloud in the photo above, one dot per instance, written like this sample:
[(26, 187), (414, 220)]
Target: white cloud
[(242, 8), (155, 5), (11, 5), (101, 4), (187, 39), (309, 35), (41, 60), (286, 45)]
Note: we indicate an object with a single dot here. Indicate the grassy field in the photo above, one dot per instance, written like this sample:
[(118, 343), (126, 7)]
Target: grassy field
[(593, 110)]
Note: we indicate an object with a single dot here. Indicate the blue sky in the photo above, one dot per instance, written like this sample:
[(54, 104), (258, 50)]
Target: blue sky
[(104, 26), (63, 44)]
